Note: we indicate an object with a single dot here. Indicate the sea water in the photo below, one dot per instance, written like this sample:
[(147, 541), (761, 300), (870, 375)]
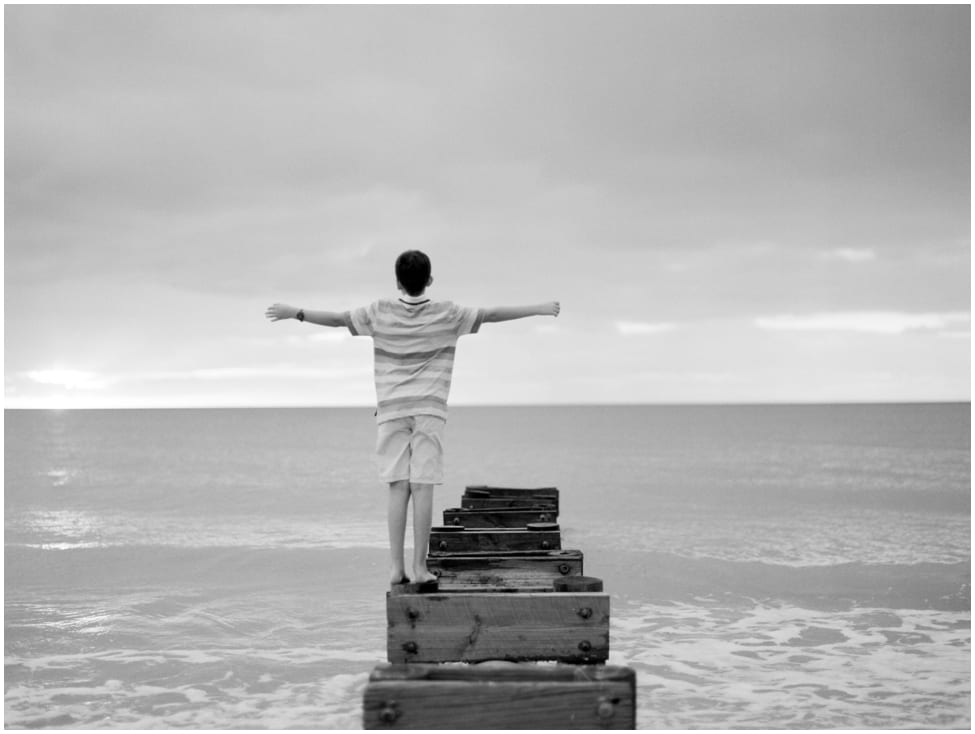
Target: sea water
[(768, 566)]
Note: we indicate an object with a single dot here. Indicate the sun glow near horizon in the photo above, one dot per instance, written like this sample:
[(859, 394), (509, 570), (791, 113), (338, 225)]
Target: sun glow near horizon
[(781, 358)]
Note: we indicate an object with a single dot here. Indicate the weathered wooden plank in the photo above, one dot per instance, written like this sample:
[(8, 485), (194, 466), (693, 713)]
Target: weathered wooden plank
[(496, 518), (500, 696), (435, 628), (517, 570), (486, 491), (497, 670), (577, 583), (511, 503), (467, 541)]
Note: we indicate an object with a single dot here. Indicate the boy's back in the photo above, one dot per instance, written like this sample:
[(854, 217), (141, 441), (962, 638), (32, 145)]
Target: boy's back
[(414, 342)]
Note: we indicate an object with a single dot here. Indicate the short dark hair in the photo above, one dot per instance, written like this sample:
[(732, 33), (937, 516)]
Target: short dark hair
[(413, 271)]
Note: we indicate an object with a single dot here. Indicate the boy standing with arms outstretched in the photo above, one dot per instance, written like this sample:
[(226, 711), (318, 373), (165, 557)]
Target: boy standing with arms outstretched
[(414, 343)]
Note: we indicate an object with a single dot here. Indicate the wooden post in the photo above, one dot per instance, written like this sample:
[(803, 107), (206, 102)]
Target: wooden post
[(504, 570), (467, 541), (500, 696), (436, 628), (508, 503), (497, 518), (485, 492), (507, 592), (544, 498)]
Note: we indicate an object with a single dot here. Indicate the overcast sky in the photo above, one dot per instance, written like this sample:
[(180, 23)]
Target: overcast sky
[(733, 204)]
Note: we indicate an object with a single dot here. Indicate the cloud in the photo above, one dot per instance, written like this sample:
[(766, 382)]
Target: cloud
[(212, 159), (549, 329), (79, 379), (239, 373), (637, 328), (70, 379), (872, 322), (852, 255)]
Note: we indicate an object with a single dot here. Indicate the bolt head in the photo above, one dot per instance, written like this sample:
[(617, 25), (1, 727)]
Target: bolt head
[(388, 713)]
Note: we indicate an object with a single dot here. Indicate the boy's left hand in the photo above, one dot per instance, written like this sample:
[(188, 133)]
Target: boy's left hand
[(280, 311)]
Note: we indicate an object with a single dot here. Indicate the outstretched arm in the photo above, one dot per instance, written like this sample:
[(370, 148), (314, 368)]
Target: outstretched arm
[(510, 313), (281, 311)]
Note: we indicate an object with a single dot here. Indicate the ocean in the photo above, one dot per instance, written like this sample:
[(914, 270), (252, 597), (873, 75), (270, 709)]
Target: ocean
[(769, 566)]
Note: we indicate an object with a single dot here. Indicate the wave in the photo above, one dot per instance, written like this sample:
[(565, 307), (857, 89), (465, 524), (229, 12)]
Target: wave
[(628, 574), (666, 576), (78, 529), (180, 568), (714, 666)]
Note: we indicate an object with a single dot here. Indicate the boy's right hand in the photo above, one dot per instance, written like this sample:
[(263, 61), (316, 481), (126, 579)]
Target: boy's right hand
[(551, 308)]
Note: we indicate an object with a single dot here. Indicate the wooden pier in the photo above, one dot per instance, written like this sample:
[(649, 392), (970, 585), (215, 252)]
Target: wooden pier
[(514, 636)]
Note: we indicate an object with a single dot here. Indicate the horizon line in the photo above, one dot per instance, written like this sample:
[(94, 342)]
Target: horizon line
[(642, 404)]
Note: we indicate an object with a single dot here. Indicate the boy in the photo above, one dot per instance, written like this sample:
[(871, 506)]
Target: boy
[(414, 340)]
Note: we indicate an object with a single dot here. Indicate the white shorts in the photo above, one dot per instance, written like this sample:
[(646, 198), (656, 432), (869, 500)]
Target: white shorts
[(411, 449)]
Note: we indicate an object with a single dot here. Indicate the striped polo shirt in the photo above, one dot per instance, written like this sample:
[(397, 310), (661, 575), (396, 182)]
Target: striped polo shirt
[(414, 340)]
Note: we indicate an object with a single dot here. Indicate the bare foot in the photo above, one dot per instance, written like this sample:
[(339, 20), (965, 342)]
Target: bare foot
[(397, 576), (422, 576)]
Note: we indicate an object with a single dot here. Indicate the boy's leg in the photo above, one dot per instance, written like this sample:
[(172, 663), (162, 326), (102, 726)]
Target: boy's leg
[(422, 520), (426, 470), (393, 461), (399, 498)]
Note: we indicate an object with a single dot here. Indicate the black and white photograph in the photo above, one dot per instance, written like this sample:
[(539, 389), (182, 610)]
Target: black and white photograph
[(487, 366)]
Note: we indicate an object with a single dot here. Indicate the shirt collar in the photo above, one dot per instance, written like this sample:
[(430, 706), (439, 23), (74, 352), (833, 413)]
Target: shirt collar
[(413, 300)]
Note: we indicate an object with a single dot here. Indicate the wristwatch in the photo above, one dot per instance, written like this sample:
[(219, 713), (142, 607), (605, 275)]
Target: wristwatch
[(300, 315)]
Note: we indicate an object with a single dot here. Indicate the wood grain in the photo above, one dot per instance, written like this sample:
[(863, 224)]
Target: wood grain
[(498, 539), (496, 518), (510, 503), (485, 491), (520, 697), (518, 570), (428, 628)]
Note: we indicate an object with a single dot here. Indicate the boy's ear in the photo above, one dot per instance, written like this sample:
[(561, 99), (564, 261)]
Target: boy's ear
[(429, 281)]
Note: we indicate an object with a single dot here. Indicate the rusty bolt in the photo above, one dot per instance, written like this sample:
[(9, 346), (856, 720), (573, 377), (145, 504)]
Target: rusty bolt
[(456, 521), (412, 613), (544, 517), (411, 648), (585, 612), (564, 568), (388, 713), (585, 646), (443, 545), (546, 545), (605, 710)]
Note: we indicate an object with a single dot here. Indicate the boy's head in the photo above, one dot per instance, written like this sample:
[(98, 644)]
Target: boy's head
[(413, 272)]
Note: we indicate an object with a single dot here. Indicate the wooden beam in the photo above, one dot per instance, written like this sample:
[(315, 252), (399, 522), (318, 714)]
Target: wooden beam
[(485, 491), (497, 518), (467, 541), (435, 628), (511, 503), (500, 696), (522, 570)]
